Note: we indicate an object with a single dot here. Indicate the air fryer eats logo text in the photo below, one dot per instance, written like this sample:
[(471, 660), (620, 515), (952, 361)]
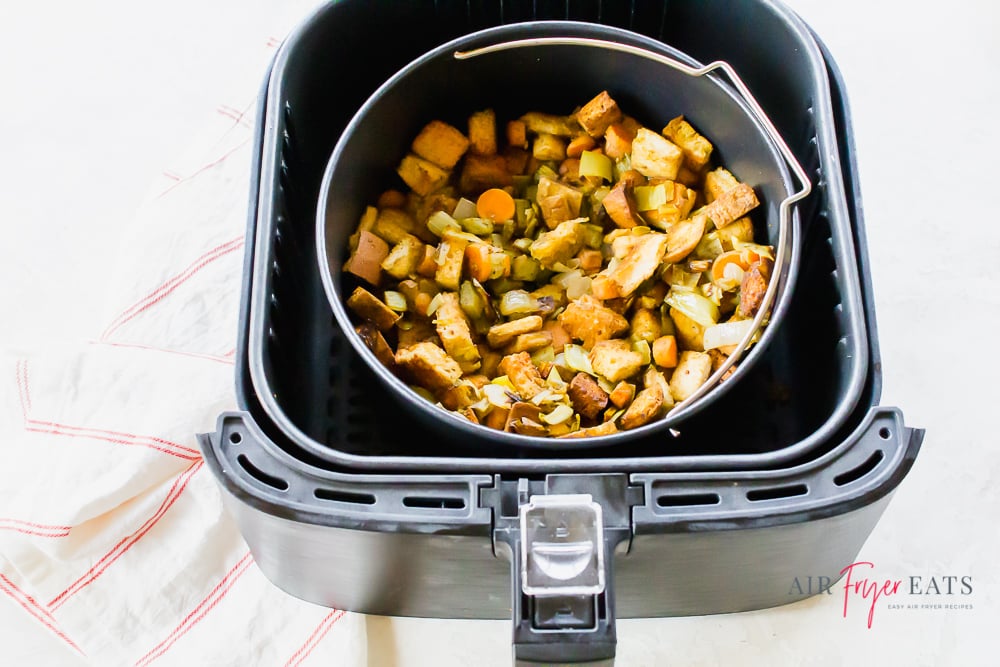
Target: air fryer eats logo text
[(860, 588)]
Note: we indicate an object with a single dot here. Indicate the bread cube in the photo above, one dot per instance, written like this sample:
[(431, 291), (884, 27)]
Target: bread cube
[(428, 365), (440, 143), (655, 156), (483, 132), (615, 359), (598, 114), (693, 368), (697, 149), (423, 176), (369, 307), (589, 321)]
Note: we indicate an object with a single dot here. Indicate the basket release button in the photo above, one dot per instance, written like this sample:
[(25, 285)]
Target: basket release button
[(562, 546)]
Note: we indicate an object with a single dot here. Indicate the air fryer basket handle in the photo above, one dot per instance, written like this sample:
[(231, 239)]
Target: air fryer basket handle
[(566, 630), (754, 107), (561, 546)]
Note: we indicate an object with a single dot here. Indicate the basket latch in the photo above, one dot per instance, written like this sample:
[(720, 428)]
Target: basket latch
[(561, 547)]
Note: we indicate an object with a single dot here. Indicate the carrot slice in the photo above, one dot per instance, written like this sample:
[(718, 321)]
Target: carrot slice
[(477, 257), (495, 204), (732, 257), (665, 351)]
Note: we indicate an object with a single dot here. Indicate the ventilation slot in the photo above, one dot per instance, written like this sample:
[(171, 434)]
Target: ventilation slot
[(260, 475), (777, 492), (430, 502), (688, 500), (854, 474), (345, 496)]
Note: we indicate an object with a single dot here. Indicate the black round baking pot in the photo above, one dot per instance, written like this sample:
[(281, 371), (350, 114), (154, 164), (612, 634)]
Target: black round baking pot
[(553, 66)]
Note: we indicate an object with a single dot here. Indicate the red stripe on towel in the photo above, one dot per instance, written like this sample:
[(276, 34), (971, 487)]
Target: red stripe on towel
[(176, 489), (21, 377), (324, 626), (222, 359), (171, 284), (29, 604), (199, 612), (31, 528), (187, 456), (205, 167)]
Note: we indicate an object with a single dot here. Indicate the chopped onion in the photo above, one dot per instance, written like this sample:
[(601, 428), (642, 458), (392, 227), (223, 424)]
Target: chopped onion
[(560, 414), (578, 359), (727, 333), (433, 305), (555, 380), (694, 305), (395, 300), (465, 208), (497, 395)]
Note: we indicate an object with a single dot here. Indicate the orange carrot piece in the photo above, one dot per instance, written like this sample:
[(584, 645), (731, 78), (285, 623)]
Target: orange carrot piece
[(590, 260), (560, 337), (495, 204), (477, 258), (604, 288), (391, 199), (577, 145), (665, 351), (428, 265), (732, 257)]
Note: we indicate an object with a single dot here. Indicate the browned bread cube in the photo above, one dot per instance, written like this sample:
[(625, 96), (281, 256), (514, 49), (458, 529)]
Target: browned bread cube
[(588, 321), (598, 114), (428, 366), (440, 143)]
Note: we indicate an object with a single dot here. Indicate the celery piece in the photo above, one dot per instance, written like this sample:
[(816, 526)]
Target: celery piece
[(521, 209), (642, 347), (438, 221), (477, 226), (499, 265), (650, 197), (597, 164), (675, 276), (498, 393), (517, 302), (523, 244), (622, 164), (593, 235), (525, 268), (470, 300), (543, 355), (709, 247), (555, 380), (545, 171)]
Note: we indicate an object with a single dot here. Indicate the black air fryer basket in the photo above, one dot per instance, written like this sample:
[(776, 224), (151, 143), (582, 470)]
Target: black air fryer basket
[(344, 504)]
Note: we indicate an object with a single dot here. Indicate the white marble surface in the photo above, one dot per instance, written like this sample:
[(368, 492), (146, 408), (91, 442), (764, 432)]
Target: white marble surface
[(922, 82)]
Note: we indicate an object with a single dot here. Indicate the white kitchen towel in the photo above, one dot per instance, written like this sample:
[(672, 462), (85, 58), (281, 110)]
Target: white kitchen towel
[(112, 532)]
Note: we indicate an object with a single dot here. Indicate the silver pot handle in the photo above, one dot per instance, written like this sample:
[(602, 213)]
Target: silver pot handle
[(785, 212)]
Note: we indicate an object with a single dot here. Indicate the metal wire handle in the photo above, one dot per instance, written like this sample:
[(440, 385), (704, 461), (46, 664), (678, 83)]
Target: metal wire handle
[(784, 220)]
